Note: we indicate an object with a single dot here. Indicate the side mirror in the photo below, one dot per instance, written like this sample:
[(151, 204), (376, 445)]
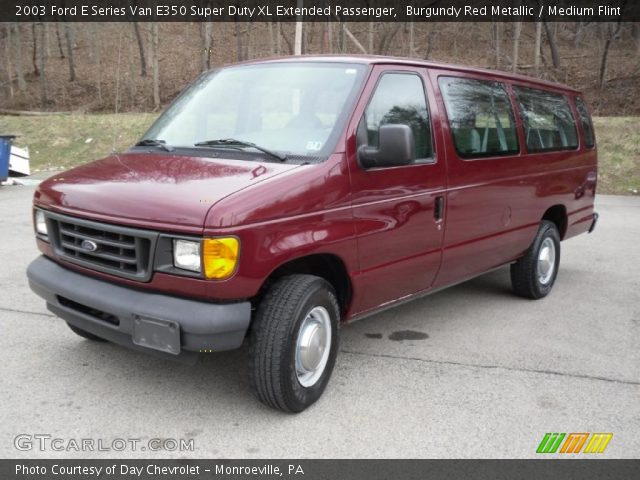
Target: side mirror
[(397, 147)]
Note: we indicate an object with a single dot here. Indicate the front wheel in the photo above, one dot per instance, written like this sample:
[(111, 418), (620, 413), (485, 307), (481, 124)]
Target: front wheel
[(533, 275), (294, 342)]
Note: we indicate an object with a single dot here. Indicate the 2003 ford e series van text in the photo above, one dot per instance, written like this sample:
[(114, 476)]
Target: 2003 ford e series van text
[(275, 200)]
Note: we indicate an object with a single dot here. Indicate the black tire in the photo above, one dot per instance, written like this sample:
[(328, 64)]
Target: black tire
[(524, 273), (85, 334), (273, 338)]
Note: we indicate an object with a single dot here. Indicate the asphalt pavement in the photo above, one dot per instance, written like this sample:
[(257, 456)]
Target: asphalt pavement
[(471, 371)]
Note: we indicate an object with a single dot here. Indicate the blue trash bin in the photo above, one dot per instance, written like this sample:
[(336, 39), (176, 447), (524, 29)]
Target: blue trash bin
[(5, 153)]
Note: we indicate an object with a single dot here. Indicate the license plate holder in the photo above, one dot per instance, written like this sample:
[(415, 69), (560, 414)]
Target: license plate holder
[(162, 335)]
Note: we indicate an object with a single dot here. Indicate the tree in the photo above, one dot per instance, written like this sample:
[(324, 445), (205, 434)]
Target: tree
[(517, 28), (155, 66), (206, 34), (536, 48), (614, 31), (68, 33), (551, 38), (143, 62), (7, 51), (22, 85)]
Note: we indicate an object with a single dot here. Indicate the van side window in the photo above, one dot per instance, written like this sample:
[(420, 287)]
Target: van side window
[(547, 120), (399, 99), (585, 120), (480, 117)]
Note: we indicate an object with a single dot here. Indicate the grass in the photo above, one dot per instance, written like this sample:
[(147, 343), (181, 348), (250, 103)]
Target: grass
[(57, 142), (618, 141), (61, 141)]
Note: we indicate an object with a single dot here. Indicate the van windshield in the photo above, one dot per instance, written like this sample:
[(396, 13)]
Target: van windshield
[(294, 109)]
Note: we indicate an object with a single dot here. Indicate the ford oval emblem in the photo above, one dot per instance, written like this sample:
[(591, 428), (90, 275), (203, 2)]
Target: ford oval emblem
[(89, 246)]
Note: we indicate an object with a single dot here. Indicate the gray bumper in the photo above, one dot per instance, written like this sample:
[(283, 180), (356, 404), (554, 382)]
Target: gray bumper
[(110, 311)]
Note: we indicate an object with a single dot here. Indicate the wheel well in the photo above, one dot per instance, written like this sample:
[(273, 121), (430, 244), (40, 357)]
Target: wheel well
[(327, 266), (558, 215)]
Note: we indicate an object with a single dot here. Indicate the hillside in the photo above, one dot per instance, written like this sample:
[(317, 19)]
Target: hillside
[(107, 57)]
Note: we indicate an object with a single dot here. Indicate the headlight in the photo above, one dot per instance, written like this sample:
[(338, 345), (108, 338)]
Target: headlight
[(219, 257), (40, 223), (186, 255)]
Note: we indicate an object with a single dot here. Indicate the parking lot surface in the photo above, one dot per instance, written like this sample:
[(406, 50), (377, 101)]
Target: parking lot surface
[(471, 371)]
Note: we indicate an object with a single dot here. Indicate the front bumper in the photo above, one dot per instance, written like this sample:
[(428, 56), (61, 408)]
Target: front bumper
[(114, 313)]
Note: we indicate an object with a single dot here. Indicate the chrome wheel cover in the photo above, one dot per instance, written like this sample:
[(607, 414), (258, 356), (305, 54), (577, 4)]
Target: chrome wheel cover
[(313, 346), (546, 261)]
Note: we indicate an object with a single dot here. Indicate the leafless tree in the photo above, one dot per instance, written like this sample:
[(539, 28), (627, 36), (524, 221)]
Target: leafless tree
[(7, 51), (517, 28), (17, 37), (155, 65), (536, 48), (206, 37), (614, 32), (68, 33), (143, 62), (551, 38)]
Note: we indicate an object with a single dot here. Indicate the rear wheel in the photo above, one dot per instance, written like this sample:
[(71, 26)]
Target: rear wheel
[(85, 334), (294, 342), (533, 275)]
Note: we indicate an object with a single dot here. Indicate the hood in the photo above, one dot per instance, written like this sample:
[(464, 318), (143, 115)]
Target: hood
[(152, 190)]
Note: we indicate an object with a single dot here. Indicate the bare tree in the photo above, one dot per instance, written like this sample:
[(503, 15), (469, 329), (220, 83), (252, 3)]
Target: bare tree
[(536, 48), (517, 28), (68, 33), (59, 41), (7, 52), (206, 29), (497, 40), (551, 38), (34, 56), (614, 32), (143, 62), (22, 85), (42, 60), (155, 66)]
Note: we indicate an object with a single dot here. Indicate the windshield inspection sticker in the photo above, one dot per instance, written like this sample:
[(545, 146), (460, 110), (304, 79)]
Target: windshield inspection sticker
[(314, 146)]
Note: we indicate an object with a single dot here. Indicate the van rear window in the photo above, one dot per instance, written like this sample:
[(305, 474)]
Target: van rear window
[(480, 117), (585, 120), (547, 120)]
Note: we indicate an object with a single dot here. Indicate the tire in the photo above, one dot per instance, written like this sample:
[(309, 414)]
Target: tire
[(296, 310), (85, 334), (533, 275)]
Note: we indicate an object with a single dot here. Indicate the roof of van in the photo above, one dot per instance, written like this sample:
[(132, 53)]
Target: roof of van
[(379, 59)]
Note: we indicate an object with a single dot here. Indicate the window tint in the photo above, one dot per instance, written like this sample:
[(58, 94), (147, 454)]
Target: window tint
[(585, 120), (480, 117), (547, 120), (399, 99)]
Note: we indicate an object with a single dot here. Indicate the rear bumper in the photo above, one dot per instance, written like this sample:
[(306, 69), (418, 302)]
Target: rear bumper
[(110, 312), (593, 223)]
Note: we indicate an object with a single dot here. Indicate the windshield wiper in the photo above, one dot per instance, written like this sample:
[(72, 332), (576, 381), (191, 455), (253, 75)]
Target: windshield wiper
[(232, 142), (151, 142)]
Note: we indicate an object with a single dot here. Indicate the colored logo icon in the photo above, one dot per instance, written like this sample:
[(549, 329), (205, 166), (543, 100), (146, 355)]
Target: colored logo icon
[(573, 442)]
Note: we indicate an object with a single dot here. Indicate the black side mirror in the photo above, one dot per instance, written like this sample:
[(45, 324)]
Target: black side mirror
[(397, 147)]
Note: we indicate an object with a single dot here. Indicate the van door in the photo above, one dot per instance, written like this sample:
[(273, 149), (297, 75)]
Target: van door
[(491, 192), (398, 211)]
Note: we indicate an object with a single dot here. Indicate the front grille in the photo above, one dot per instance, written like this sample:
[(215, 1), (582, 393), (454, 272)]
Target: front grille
[(113, 249)]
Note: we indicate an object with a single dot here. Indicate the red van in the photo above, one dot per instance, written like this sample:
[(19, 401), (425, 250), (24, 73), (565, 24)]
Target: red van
[(275, 200)]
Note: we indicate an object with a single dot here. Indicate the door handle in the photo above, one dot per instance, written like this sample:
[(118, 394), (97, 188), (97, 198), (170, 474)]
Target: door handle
[(438, 208)]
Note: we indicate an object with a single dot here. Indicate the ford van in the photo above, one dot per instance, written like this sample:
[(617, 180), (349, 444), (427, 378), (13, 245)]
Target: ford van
[(274, 201)]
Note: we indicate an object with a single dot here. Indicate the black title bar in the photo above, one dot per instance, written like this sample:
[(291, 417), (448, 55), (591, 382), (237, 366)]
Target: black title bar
[(320, 10), (318, 469)]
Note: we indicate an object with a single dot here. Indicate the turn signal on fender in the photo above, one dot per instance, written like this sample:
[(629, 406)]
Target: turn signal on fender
[(219, 257)]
